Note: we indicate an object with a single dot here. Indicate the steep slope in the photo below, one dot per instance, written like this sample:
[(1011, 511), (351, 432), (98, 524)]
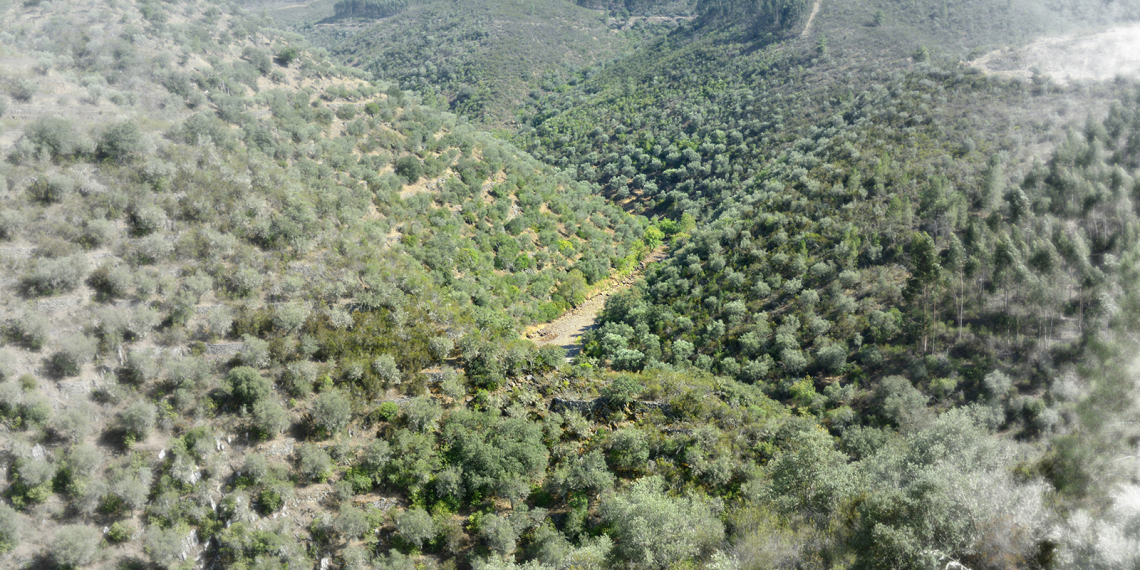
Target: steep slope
[(483, 58), (196, 208)]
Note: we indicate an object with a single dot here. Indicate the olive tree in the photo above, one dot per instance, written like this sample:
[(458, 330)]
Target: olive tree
[(415, 526), (247, 387), (332, 411), (120, 142), (654, 530), (269, 418), (75, 546), (138, 419)]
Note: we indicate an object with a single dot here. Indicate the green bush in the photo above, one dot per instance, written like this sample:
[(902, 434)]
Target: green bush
[(51, 189), (75, 351), (287, 56), (247, 387), (10, 223), (54, 276), (332, 411), (388, 411), (415, 527), (120, 531), (270, 500), (268, 418), (75, 546), (120, 142), (313, 463), (10, 525), (23, 90), (138, 419), (651, 529), (409, 168)]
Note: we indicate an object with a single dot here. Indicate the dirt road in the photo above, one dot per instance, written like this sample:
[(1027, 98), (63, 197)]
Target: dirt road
[(565, 330), (811, 18)]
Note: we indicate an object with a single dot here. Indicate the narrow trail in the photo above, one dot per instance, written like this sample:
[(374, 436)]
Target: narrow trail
[(811, 18), (566, 330)]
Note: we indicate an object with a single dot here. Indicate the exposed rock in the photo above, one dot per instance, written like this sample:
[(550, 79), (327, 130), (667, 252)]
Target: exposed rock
[(225, 348)]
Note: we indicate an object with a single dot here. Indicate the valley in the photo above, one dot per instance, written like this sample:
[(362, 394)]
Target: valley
[(552, 284)]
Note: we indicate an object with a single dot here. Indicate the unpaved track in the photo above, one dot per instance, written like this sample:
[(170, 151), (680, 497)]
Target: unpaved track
[(811, 18), (566, 330)]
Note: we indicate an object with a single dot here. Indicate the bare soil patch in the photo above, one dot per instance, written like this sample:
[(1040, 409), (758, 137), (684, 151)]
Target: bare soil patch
[(567, 329), (1095, 56)]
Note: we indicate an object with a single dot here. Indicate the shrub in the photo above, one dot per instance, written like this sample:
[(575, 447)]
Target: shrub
[(247, 387), (10, 525), (388, 411), (332, 411), (120, 142), (10, 223), (415, 526), (422, 413), (270, 500), (23, 90), (110, 282), (351, 522), (120, 532), (269, 418), (138, 419), (409, 168), (287, 56), (51, 189), (652, 529), (899, 402), (53, 276), (75, 351), (622, 391), (313, 463), (75, 546)]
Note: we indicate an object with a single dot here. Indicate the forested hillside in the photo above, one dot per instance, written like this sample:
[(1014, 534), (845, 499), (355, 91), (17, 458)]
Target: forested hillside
[(263, 309), (481, 59)]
